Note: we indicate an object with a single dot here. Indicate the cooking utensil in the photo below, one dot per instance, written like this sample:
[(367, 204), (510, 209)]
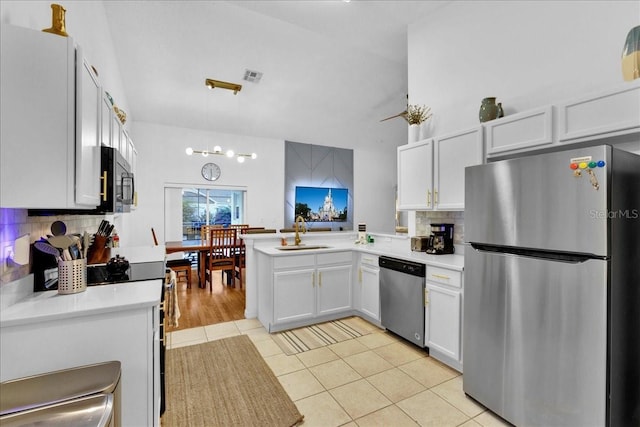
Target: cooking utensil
[(74, 250), (58, 228), (102, 228), (47, 249), (117, 266), (62, 242), (86, 242)]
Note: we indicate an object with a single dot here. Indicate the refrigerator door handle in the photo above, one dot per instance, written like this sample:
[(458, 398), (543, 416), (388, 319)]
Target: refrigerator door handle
[(572, 258)]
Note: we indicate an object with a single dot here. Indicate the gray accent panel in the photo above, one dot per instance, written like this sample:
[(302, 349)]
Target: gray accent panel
[(317, 166)]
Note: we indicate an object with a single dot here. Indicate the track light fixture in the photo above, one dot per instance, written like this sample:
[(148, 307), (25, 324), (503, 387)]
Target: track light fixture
[(212, 84), (217, 151)]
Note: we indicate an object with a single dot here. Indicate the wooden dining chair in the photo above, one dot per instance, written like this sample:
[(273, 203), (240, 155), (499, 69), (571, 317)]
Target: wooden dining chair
[(222, 254), (206, 229), (181, 266), (241, 261)]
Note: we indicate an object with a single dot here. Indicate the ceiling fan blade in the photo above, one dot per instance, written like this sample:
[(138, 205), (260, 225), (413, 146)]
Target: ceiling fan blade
[(397, 115)]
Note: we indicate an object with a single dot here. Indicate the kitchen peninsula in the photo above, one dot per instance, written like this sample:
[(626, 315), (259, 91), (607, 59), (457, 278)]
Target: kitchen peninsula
[(330, 276)]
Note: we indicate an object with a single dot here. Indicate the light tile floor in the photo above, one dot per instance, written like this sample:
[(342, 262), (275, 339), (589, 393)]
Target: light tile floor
[(375, 380)]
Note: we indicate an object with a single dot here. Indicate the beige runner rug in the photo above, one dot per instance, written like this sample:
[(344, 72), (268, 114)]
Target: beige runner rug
[(315, 336), (224, 383)]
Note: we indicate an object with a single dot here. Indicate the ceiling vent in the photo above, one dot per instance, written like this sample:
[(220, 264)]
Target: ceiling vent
[(252, 76)]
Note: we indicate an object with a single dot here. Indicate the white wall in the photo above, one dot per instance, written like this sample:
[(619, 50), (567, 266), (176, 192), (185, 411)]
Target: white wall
[(525, 53), (163, 162)]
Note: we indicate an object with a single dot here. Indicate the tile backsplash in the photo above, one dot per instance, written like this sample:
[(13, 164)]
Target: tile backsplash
[(15, 223), (425, 218)]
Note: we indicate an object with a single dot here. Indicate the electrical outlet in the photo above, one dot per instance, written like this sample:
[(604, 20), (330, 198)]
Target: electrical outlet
[(7, 254)]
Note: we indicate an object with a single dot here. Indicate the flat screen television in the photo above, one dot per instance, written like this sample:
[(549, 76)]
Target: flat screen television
[(322, 204)]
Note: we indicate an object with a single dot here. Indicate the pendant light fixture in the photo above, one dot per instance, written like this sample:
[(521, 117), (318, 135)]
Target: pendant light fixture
[(212, 84), (218, 151)]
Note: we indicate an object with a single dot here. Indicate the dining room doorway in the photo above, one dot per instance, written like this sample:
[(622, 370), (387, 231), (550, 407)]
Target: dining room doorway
[(186, 209)]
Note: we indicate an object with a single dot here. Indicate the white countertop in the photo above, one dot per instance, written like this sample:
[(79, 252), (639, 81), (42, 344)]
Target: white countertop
[(140, 253), (386, 248), (49, 305)]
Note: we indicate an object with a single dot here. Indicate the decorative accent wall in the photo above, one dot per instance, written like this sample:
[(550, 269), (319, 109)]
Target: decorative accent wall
[(317, 166)]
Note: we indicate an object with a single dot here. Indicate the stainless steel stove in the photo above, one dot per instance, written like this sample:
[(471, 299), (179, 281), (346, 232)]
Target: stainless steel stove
[(97, 274)]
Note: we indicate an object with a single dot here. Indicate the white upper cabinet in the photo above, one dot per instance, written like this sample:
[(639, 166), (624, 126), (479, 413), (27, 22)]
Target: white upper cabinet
[(453, 153), (88, 134), (106, 112), (40, 167), (116, 132), (431, 172), (611, 113), (415, 175), (611, 117), (530, 129)]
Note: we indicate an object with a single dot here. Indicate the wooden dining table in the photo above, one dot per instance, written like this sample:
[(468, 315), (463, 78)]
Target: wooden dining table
[(202, 247)]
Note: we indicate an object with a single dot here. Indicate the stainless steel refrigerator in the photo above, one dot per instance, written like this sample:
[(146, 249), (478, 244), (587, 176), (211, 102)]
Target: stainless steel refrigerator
[(551, 329)]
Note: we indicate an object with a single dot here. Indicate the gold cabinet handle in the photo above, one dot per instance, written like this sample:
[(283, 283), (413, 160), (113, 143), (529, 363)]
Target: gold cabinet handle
[(313, 279), (440, 276), (429, 198), (104, 186), (360, 275), (426, 297), (435, 197), (320, 279)]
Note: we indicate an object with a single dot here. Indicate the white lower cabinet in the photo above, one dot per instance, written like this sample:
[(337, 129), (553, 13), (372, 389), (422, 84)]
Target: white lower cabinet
[(443, 315), (309, 288), (334, 288), (294, 295), (130, 335), (367, 287)]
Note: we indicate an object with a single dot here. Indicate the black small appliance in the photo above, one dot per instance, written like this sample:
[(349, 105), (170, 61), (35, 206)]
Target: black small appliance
[(441, 240)]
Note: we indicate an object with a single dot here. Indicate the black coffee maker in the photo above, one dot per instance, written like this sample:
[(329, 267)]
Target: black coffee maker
[(441, 239)]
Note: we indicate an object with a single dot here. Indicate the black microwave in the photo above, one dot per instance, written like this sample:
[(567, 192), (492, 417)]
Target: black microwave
[(117, 188)]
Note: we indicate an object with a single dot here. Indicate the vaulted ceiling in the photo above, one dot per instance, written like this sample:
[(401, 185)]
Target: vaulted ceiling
[(331, 69)]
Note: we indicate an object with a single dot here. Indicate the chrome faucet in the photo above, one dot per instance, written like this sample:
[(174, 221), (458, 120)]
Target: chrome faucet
[(304, 229)]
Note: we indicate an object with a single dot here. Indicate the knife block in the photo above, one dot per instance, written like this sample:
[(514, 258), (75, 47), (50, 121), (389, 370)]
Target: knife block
[(98, 252)]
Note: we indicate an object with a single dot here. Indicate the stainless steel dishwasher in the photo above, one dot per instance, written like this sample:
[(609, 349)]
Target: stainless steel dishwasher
[(402, 298)]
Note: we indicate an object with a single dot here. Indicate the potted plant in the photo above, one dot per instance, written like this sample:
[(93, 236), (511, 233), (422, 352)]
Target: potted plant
[(416, 115)]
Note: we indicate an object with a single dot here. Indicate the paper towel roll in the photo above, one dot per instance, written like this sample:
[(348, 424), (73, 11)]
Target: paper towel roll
[(21, 256)]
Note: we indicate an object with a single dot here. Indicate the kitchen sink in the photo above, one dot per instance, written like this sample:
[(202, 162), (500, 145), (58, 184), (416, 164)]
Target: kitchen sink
[(301, 247)]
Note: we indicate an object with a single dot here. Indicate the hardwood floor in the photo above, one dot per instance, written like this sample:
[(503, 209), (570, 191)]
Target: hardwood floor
[(200, 307)]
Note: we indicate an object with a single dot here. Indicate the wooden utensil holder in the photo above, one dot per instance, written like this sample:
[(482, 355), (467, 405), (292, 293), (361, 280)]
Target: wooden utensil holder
[(98, 252)]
